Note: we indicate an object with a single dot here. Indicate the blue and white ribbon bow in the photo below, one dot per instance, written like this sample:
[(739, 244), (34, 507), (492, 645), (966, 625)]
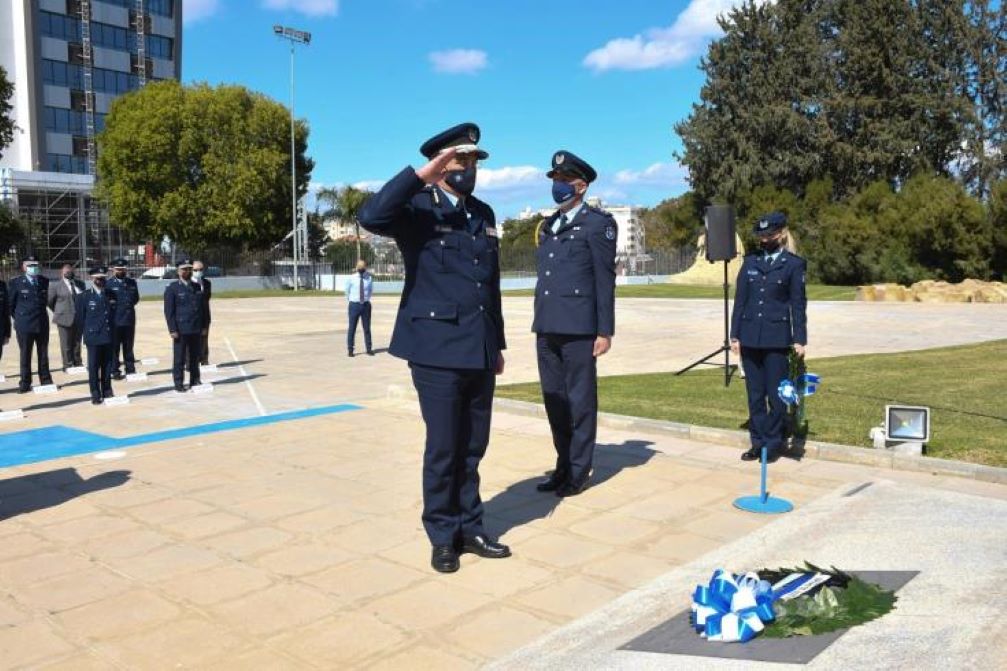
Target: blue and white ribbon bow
[(732, 607), (809, 381), (788, 393)]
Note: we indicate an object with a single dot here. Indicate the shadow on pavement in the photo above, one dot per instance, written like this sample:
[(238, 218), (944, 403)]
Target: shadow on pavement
[(521, 503), (28, 493)]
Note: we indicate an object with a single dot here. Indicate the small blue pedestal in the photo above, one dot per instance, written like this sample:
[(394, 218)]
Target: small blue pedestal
[(763, 503)]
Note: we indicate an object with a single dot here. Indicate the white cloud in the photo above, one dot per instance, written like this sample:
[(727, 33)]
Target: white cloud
[(307, 7), (664, 47), (511, 177), (194, 10), (369, 184), (458, 61), (657, 174)]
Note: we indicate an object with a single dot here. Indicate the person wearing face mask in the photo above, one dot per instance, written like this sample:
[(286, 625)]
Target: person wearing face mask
[(185, 313), (769, 317), (574, 318), (449, 328), (63, 303), (28, 297), (127, 295), (205, 288), (95, 311), (358, 296)]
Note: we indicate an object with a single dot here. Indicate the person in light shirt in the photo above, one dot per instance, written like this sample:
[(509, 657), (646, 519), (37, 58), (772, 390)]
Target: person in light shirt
[(358, 297)]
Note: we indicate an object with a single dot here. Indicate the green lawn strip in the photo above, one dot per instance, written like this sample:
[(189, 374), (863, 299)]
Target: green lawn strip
[(816, 292), (262, 293), (963, 386)]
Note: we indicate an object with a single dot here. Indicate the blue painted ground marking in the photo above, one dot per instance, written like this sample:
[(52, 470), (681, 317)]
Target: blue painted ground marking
[(53, 442)]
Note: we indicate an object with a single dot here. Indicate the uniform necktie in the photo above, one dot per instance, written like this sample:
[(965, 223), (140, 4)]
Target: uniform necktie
[(560, 222), (361, 288)]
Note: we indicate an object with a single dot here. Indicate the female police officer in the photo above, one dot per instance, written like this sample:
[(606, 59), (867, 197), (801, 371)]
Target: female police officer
[(769, 317)]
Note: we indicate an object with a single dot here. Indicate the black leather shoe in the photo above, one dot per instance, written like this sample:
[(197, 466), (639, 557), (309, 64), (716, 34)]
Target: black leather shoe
[(572, 488), (96, 401), (118, 376), (370, 352), (349, 354), (180, 388), (107, 393), (23, 390), (484, 547), (444, 559), (753, 454), (46, 381), (555, 480)]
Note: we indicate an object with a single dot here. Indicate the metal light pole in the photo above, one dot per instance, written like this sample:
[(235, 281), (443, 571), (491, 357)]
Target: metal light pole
[(295, 37)]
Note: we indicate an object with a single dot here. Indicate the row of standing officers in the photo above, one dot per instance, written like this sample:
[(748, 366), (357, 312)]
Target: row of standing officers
[(450, 328), (102, 318)]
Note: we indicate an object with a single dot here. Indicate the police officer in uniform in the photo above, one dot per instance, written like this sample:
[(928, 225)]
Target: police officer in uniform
[(28, 296), (127, 296), (574, 318), (185, 312), (96, 310), (769, 317), (449, 328)]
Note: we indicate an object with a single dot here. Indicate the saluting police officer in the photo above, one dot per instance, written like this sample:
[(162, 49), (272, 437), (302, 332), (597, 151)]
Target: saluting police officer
[(127, 296), (574, 318), (185, 312), (95, 312), (28, 297), (769, 317), (449, 328)]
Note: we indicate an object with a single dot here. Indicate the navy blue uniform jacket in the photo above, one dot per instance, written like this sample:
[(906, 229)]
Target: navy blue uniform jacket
[(4, 313), (127, 295), (770, 306), (184, 308), (575, 292), (29, 304), (450, 314), (96, 315)]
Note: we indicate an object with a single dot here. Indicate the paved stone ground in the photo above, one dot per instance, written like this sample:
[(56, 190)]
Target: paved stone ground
[(298, 544)]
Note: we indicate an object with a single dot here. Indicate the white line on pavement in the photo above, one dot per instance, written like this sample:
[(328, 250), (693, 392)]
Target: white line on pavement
[(248, 383)]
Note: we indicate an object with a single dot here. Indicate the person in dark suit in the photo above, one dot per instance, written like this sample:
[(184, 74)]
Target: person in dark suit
[(206, 288), (769, 317), (185, 313), (127, 295), (63, 303), (449, 328), (28, 297), (574, 318), (95, 312)]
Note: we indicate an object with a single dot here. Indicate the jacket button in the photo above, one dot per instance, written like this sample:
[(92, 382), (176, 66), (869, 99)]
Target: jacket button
[(433, 314), (576, 291), (481, 308), (442, 243), (555, 237), (760, 302), (478, 284), (475, 262), (548, 272), (550, 255), (546, 292), (760, 314)]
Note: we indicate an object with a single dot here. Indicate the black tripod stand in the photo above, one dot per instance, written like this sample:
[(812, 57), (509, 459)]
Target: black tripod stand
[(729, 368)]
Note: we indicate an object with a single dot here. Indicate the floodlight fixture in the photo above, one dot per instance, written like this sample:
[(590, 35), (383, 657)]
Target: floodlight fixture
[(907, 423)]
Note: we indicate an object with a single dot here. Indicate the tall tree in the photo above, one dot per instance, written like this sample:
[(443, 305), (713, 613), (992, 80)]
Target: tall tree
[(6, 119), (344, 204), (202, 165)]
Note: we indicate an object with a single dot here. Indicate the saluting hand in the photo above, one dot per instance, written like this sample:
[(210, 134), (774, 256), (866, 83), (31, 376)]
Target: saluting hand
[(602, 344), (433, 171)]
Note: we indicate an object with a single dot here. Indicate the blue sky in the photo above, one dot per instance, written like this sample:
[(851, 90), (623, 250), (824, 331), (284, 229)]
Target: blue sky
[(606, 79)]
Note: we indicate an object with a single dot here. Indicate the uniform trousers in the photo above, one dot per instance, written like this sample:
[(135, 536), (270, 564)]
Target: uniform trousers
[(764, 369), (568, 371), (40, 342), (100, 361), (359, 312), (122, 339), (456, 405), (186, 349)]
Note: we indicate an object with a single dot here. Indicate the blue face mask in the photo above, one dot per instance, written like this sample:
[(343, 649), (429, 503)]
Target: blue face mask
[(32, 270), (462, 182), (562, 192)]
